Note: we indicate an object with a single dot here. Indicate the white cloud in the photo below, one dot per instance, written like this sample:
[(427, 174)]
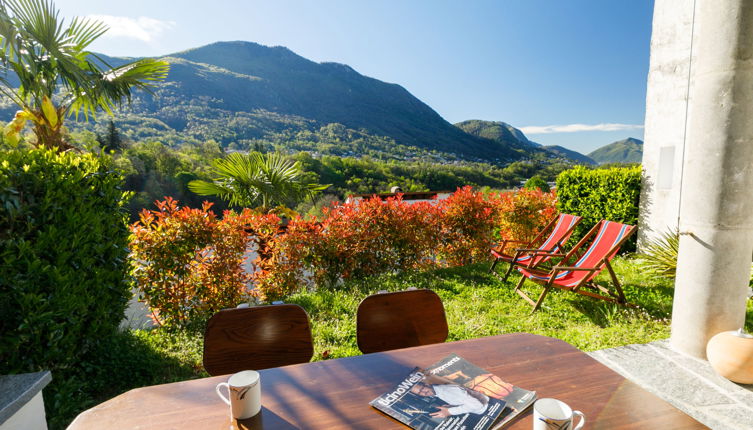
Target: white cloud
[(574, 128), (142, 28)]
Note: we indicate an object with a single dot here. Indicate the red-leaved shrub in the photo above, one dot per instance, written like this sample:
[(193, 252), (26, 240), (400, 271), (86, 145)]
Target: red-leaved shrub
[(372, 236), (282, 252), (186, 263), (468, 224), (522, 214)]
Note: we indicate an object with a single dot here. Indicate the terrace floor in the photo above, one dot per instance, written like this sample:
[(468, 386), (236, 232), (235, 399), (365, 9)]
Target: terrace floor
[(688, 383)]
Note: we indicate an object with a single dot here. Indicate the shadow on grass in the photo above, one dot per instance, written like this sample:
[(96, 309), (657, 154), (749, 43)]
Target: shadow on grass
[(125, 361), (652, 302)]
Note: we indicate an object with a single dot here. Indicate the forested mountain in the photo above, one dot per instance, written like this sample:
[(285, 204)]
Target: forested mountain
[(499, 132), (241, 94), (628, 150), (247, 96), (570, 154), (506, 134)]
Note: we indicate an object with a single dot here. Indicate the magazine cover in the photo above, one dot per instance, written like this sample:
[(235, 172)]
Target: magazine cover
[(424, 401), (462, 372)]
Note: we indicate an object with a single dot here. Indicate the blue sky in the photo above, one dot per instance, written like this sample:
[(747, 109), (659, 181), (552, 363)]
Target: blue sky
[(545, 66)]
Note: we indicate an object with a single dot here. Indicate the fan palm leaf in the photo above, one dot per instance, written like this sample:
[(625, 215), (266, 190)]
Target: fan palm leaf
[(54, 69), (256, 180), (660, 255)]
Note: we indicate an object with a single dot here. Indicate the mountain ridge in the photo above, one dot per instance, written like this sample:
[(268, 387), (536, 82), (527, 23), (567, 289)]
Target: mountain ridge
[(505, 133), (629, 150), (245, 95), (570, 154), (274, 85)]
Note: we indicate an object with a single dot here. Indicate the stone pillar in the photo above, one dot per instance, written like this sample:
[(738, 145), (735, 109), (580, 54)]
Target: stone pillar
[(716, 207)]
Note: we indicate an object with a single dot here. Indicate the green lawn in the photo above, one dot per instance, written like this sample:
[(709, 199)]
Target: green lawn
[(477, 304)]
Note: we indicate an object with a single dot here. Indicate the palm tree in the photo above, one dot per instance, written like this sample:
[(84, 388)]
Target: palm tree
[(58, 77), (265, 180)]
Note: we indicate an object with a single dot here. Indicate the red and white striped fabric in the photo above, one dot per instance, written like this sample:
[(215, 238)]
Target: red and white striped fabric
[(609, 235), (559, 235)]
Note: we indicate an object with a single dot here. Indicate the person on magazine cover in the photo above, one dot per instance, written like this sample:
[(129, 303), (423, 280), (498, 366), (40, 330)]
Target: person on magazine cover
[(486, 383), (458, 400)]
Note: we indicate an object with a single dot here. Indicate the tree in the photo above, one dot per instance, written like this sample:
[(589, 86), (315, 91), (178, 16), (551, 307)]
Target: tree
[(536, 182), (57, 76), (255, 179), (111, 140)]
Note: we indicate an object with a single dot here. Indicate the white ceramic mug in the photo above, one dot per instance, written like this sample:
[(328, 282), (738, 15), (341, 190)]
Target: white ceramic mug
[(552, 414), (244, 392)]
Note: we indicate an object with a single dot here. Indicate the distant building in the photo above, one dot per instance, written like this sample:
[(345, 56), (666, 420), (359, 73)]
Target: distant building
[(414, 197)]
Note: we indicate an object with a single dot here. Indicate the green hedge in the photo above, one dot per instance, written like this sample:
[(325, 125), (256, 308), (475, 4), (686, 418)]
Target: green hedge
[(63, 262), (611, 194)]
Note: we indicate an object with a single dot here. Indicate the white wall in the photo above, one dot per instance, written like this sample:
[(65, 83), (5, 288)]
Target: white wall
[(29, 417), (666, 112)]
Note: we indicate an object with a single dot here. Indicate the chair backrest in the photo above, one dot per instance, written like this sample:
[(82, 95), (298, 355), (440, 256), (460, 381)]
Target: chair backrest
[(401, 319), (564, 225), (606, 237), (257, 338), (561, 232)]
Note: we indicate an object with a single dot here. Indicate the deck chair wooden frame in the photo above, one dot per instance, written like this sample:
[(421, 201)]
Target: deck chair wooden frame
[(402, 319), (559, 230), (578, 277), (258, 337)]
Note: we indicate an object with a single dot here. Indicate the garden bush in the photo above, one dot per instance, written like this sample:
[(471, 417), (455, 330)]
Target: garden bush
[(187, 264), (372, 236), (63, 261), (353, 240), (468, 223), (612, 194), (522, 214), (63, 238), (279, 265), (536, 182)]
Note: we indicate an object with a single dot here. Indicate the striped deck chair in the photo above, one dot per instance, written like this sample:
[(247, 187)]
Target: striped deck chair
[(606, 237), (559, 228)]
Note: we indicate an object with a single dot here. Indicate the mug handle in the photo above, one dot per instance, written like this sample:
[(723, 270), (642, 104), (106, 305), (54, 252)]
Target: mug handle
[(225, 384), (582, 420)]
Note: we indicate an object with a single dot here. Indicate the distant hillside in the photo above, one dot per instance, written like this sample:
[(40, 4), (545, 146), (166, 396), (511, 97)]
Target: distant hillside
[(508, 135), (628, 150), (570, 154), (499, 132), (241, 92)]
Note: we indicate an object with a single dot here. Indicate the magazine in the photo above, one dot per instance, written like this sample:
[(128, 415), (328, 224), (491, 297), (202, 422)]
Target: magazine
[(424, 401), (460, 371)]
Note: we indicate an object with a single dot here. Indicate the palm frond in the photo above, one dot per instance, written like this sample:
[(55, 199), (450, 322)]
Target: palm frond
[(40, 20), (204, 188), (84, 31), (49, 57), (659, 256), (256, 179), (112, 86), (8, 36)]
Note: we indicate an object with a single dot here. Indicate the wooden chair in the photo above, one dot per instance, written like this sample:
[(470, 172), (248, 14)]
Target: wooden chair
[(560, 229), (605, 239), (257, 338), (402, 319)]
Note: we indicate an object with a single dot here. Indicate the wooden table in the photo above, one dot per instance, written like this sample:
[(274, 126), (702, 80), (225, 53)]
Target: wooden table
[(335, 394)]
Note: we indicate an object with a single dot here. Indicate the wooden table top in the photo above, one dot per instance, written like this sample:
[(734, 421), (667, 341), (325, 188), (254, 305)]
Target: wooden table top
[(335, 394)]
